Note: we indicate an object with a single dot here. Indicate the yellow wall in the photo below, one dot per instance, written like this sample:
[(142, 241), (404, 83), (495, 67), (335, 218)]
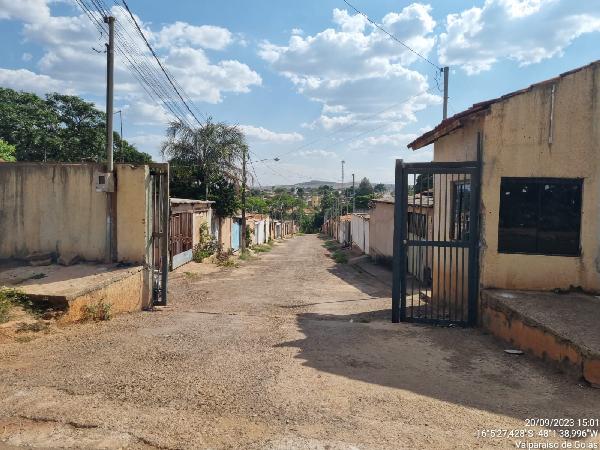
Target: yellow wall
[(132, 182), (51, 208), (381, 231), (54, 208), (515, 144)]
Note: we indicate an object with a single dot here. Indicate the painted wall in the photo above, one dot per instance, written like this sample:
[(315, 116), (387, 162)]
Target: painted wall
[(360, 232), (132, 183), (516, 144), (225, 233), (381, 231), (51, 208)]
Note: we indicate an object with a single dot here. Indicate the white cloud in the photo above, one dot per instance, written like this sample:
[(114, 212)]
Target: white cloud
[(181, 34), (356, 71), (205, 81), (262, 134), (393, 141), (26, 80), (527, 31), (26, 57), (318, 153), (68, 61), (26, 10)]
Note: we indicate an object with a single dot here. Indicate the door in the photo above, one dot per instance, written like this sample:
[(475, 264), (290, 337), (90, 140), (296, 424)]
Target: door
[(235, 234), (436, 244)]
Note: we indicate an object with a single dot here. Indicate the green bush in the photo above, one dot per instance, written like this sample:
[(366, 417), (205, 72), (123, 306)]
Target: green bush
[(340, 257), (7, 151), (207, 246), (10, 297), (97, 311)]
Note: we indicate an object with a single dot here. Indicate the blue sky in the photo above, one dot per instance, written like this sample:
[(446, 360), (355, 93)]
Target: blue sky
[(311, 82)]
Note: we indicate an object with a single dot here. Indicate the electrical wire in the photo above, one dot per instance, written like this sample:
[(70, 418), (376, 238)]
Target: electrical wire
[(379, 27)]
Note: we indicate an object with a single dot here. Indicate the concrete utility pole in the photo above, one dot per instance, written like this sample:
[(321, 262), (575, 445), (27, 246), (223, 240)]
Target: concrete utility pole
[(243, 239), (111, 222), (343, 193), (353, 195), (110, 69), (446, 71)]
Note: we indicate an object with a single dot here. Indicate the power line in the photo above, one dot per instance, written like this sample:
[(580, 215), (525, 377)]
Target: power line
[(158, 61), (139, 63), (379, 27)]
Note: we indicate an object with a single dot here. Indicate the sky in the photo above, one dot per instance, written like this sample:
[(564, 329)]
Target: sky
[(313, 82)]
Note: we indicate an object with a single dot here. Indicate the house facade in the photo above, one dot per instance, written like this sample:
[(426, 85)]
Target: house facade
[(539, 207)]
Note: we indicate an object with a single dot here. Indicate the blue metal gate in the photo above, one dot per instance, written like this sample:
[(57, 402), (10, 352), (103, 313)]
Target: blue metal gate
[(235, 234)]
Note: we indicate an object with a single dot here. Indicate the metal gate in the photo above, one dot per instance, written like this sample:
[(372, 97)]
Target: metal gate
[(181, 230), (158, 225), (436, 245)]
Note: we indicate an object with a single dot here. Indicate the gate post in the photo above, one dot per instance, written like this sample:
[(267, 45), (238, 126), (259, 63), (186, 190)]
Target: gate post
[(399, 261), (474, 237)]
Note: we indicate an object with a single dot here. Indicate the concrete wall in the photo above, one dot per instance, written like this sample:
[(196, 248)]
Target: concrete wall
[(381, 231), (199, 218), (55, 208), (225, 233), (360, 232), (51, 208), (516, 144), (132, 183)]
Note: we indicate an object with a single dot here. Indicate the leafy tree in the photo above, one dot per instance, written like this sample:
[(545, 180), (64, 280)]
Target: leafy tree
[(58, 128), (379, 188), (423, 182), (7, 151), (364, 188), (257, 204), (215, 148), (226, 198), (300, 192)]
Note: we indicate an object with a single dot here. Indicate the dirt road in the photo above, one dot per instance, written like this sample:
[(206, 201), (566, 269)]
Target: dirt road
[(288, 351)]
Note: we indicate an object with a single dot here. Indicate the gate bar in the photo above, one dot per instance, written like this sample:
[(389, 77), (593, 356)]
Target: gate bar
[(399, 261), (474, 232)]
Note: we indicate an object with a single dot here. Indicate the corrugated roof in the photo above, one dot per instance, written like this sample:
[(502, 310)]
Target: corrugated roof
[(458, 120)]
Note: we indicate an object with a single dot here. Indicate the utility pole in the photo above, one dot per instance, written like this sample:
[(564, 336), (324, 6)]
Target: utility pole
[(111, 223), (446, 71), (343, 193), (353, 195), (243, 239)]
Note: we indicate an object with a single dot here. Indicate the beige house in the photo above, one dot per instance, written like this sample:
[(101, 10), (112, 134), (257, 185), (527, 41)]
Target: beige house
[(540, 184)]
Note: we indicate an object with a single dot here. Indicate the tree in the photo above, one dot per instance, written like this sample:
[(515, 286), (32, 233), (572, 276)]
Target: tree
[(58, 128), (364, 188), (215, 149), (226, 197), (423, 182), (300, 192), (380, 188), (7, 151)]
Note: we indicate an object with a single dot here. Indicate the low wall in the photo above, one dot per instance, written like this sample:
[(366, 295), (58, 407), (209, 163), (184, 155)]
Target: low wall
[(54, 208), (533, 333), (125, 294), (51, 208)]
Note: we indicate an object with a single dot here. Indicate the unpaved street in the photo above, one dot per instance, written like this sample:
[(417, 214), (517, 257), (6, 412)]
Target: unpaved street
[(287, 351)]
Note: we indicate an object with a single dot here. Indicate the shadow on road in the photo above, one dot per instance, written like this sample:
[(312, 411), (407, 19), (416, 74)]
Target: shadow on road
[(460, 366)]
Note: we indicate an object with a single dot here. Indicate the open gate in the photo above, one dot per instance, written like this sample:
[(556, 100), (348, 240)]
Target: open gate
[(436, 246), (158, 224)]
